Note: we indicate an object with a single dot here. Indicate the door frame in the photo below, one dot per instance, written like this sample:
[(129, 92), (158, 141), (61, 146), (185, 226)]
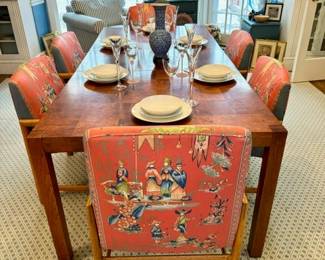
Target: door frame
[(307, 68), (52, 10)]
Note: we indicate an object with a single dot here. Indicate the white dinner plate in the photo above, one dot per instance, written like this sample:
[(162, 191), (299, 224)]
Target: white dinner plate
[(161, 105), (92, 77), (138, 113), (199, 77), (197, 43)]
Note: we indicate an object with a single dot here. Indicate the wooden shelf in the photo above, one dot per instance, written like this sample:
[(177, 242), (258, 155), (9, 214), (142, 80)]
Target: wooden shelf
[(5, 22), (13, 40)]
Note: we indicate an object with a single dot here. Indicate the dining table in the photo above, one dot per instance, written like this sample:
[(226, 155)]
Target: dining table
[(83, 104)]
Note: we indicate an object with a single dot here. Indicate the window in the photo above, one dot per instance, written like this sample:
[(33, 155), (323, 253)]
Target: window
[(227, 14)]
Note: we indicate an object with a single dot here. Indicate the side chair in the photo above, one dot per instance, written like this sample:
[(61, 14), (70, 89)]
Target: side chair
[(167, 190), (270, 80), (240, 48), (67, 53), (34, 87)]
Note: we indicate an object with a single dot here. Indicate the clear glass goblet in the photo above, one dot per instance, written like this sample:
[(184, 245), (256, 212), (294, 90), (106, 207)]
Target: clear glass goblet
[(192, 54), (131, 52), (170, 66), (190, 31), (116, 43), (125, 21), (182, 51)]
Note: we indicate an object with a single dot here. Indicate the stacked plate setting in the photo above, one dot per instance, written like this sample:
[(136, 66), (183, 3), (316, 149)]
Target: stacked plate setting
[(161, 109), (106, 73), (214, 73), (107, 44), (197, 40)]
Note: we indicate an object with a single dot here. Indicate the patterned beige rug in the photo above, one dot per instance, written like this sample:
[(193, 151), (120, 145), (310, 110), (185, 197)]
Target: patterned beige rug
[(296, 229)]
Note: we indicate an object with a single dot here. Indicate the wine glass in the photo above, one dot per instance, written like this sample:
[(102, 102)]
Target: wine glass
[(190, 31), (192, 54), (181, 47), (170, 66), (116, 43), (131, 52), (136, 27), (125, 21)]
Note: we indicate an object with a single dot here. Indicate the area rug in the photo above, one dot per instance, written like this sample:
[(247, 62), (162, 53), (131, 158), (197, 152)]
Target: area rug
[(296, 229)]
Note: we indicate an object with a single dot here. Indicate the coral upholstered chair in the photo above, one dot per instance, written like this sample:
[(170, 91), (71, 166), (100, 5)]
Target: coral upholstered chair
[(270, 80), (67, 52), (34, 87), (149, 12), (171, 190), (240, 48)]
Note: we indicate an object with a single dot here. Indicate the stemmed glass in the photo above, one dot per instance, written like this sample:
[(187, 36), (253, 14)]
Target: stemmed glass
[(190, 31), (125, 20), (192, 54), (181, 47), (171, 66), (116, 43), (131, 52)]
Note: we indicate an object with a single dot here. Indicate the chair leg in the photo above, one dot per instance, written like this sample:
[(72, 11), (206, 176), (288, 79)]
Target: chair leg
[(235, 254), (70, 153), (93, 232)]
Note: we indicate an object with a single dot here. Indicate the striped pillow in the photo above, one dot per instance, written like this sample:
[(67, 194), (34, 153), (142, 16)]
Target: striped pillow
[(108, 10)]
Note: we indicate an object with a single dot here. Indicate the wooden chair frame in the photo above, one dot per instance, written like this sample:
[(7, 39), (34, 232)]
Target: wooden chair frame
[(235, 254)]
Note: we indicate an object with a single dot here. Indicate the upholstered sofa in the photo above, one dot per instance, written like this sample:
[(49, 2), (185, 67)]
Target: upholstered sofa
[(86, 18)]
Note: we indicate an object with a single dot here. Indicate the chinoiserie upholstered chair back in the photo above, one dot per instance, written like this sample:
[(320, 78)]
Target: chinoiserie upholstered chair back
[(149, 12), (240, 48), (176, 189), (67, 52), (34, 86), (270, 80)]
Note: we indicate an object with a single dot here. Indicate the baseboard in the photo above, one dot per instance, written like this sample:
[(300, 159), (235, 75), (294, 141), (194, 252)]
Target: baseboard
[(9, 67)]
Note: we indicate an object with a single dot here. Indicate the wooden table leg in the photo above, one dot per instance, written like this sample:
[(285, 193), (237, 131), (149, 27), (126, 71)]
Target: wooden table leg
[(265, 192), (49, 191)]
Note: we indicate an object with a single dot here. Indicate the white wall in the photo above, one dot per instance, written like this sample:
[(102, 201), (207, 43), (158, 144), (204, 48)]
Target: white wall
[(290, 28)]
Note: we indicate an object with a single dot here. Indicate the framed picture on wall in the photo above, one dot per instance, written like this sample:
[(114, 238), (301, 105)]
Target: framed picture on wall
[(263, 48), (280, 50), (274, 11), (47, 39)]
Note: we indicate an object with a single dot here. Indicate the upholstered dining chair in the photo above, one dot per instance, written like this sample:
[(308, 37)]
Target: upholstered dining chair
[(167, 189), (240, 48), (149, 12), (270, 80), (67, 53), (33, 87)]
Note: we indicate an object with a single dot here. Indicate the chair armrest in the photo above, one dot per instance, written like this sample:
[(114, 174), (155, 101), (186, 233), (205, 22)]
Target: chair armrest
[(65, 76), (84, 22), (28, 122)]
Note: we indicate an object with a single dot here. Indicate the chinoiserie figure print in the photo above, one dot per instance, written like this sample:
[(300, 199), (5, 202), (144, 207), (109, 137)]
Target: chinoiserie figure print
[(153, 180), (178, 187), (122, 186), (166, 178)]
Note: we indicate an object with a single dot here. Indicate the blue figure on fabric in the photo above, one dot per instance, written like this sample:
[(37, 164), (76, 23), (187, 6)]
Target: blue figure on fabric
[(156, 232), (182, 220), (166, 178), (178, 187)]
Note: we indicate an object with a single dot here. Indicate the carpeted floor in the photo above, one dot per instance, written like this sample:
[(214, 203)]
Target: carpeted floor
[(297, 226)]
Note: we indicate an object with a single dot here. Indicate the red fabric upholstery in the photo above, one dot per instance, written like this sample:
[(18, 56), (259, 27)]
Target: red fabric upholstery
[(70, 50), (268, 79), (167, 189), (148, 12), (37, 83), (237, 44)]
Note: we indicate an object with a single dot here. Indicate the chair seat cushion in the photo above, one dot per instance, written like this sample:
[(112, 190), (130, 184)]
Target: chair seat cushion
[(108, 10)]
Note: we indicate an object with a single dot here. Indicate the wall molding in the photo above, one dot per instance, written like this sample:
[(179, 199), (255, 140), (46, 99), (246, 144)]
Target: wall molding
[(36, 2)]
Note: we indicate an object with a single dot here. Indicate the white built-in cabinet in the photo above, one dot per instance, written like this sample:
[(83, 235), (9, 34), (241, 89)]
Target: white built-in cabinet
[(18, 38)]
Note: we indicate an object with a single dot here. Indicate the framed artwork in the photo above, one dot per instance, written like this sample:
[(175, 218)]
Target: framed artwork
[(47, 39), (264, 48), (274, 11), (280, 51)]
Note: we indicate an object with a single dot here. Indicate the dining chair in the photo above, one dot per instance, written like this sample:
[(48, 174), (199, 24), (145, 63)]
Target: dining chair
[(183, 18), (67, 53), (270, 80), (240, 48), (167, 189), (149, 12), (34, 87)]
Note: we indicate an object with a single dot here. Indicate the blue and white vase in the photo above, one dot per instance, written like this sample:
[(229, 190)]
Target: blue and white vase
[(160, 40)]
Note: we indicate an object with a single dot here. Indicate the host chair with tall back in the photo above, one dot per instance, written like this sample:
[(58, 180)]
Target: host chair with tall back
[(240, 48), (167, 190), (34, 87), (270, 80)]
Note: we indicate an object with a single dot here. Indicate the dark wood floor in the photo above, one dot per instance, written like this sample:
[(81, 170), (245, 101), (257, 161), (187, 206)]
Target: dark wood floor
[(3, 77), (320, 84)]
